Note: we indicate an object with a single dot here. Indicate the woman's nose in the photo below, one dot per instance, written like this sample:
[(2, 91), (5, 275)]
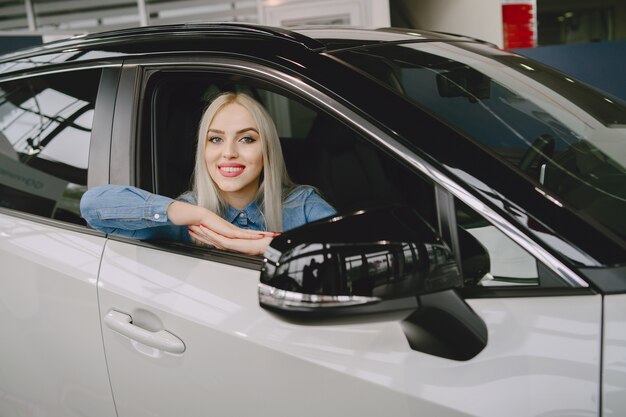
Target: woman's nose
[(230, 149)]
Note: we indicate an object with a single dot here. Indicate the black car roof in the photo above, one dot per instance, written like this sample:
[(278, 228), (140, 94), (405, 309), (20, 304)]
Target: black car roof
[(334, 37), (321, 38)]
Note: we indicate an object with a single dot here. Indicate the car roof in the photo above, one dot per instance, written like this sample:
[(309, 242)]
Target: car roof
[(336, 37), (314, 38)]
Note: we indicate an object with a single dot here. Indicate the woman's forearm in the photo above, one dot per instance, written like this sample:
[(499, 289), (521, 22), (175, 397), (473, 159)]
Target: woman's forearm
[(185, 214), (109, 207)]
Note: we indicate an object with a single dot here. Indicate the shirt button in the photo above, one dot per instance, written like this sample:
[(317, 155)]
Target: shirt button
[(242, 214), (157, 216)]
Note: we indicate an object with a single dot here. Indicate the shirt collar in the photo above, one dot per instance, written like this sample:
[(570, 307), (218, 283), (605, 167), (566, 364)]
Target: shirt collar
[(252, 211)]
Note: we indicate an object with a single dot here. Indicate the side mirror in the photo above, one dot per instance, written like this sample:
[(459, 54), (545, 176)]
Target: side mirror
[(374, 261), (367, 261)]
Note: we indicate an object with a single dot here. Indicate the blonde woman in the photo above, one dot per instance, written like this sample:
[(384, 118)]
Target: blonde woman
[(242, 196)]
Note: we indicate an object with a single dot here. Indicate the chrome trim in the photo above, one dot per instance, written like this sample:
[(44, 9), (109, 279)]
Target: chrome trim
[(275, 297), (280, 78)]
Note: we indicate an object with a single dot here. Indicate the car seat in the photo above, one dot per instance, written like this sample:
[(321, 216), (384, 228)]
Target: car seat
[(349, 173)]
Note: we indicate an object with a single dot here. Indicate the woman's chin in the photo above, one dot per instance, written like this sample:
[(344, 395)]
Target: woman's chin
[(232, 185)]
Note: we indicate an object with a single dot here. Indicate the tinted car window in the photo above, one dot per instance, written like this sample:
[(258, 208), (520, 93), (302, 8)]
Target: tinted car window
[(45, 130), (577, 156)]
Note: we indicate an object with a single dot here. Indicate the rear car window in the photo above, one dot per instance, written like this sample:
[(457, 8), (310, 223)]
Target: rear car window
[(45, 132)]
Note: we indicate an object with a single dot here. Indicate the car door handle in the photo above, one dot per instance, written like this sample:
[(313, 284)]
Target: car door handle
[(162, 340)]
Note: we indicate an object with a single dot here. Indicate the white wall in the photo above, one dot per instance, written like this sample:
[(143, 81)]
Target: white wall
[(476, 18), (366, 13)]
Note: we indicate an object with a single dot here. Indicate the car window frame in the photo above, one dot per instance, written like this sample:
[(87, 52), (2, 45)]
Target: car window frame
[(124, 156), (136, 77)]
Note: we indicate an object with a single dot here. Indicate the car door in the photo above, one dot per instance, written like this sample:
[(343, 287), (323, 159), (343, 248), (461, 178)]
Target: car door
[(182, 326), (52, 358)]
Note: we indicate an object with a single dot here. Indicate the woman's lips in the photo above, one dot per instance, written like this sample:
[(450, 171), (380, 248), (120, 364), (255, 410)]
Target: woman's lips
[(231, 170)]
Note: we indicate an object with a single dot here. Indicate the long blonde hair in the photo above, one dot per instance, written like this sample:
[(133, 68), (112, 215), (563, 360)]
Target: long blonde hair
[(275, 182)]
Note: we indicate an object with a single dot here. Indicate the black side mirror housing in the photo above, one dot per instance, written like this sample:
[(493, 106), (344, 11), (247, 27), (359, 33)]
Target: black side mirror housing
[(358, 259), (379, 260)]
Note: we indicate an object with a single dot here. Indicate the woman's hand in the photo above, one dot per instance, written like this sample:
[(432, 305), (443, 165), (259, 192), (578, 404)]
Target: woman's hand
[(221, 227), (186, 214), (248, 246), (208, 228)]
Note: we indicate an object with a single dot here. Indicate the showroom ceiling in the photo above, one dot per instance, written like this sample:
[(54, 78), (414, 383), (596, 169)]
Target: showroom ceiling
[(49, 16)]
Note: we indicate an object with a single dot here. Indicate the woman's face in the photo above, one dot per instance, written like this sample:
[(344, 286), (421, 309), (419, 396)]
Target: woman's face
[(234, 154)]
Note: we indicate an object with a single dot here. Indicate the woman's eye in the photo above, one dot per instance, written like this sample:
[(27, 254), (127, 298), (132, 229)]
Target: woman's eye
[(247, 139), (215, 139)]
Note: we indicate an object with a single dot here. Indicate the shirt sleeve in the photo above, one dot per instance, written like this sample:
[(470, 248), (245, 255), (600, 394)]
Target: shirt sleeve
[(129, 212)]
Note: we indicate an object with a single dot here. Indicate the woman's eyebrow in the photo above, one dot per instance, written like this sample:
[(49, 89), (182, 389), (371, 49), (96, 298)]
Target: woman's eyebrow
[(247, 129), (237, 132)]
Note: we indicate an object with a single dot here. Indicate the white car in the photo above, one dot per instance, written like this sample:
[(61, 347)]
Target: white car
[(476, 266)]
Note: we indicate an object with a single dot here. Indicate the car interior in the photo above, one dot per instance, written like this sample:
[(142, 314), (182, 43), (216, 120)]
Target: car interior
[(350, 173)]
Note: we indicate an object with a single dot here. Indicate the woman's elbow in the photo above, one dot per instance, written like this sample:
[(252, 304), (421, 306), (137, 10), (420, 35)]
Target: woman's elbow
[(86, 202), (89, 204)]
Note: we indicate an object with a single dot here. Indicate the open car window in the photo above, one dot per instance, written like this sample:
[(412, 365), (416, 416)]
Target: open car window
[(319, 150)]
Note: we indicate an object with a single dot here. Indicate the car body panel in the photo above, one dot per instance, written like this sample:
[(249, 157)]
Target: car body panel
[(614, 356), (236, 353), (241, 359), (53, 360)]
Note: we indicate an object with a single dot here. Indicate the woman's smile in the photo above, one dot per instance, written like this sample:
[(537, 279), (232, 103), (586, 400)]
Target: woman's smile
[(231, 169)]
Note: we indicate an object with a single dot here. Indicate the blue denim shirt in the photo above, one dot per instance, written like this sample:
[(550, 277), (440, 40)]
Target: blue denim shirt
[(131, 212)]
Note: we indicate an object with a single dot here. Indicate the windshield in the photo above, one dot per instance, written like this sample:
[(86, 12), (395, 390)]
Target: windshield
[(570, 139)]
